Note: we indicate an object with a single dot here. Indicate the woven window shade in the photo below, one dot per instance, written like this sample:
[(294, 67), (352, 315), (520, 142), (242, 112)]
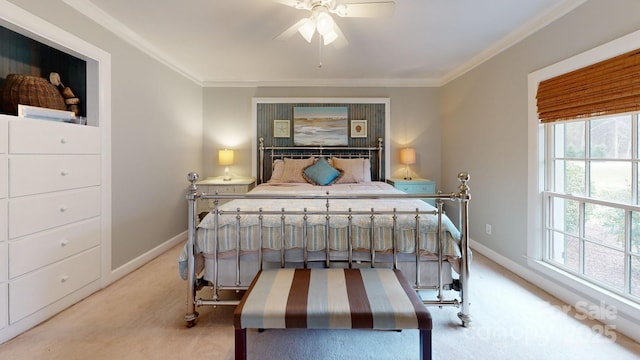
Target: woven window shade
[(609, 87)]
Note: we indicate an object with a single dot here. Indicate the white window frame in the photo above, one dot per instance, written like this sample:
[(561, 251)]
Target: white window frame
[(564, 285)]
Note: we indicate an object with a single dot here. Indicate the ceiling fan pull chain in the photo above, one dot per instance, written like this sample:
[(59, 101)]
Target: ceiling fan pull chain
[(320, 51)]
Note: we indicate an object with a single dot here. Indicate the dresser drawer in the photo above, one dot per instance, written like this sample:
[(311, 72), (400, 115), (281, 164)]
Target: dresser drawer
[(3, 176), (4, 131), (3, 261), (4, 232), (416, 188), (222, 189), (40, 288), (52, 173), (48, 137), (30, 214), (33, 252), (4, 305)]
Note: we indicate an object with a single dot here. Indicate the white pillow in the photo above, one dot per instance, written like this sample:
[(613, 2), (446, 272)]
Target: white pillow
[(354, 170)]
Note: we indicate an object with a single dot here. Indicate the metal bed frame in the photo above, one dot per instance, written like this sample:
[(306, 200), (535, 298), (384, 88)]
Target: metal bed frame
[(462, 196)]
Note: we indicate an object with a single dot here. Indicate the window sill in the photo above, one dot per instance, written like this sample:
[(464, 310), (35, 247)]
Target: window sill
[(578, 288)]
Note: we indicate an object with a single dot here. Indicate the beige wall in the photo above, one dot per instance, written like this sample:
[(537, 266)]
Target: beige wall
[(488, 108), (415, 121), (156, 137)]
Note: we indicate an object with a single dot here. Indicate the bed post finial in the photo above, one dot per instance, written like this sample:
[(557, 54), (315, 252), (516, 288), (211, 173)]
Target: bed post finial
[(463, 177), (193, 179)]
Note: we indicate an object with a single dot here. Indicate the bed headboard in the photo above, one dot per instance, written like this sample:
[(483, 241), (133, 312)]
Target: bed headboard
[(268, 154)]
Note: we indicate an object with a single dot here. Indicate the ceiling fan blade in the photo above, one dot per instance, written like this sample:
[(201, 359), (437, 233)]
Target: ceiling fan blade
[(372, 9), (296, 4), (292, 30)]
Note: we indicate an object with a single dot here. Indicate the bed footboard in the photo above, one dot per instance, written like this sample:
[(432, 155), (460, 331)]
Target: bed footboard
[(237, 274)]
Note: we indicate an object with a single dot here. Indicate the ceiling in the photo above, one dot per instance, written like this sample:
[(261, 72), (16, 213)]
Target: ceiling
[(231, 42)]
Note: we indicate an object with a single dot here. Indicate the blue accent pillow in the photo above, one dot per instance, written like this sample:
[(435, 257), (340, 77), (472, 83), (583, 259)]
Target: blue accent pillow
[(321, 173)]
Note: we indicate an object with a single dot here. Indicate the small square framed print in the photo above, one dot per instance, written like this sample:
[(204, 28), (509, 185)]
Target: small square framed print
[(358, 128), (281, 128)]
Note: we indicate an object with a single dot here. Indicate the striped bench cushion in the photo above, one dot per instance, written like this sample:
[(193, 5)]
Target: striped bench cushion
[(331, 299)]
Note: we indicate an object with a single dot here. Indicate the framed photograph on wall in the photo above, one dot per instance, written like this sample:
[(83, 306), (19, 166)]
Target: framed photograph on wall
[(358, 128), (281, 128), (320, 126)]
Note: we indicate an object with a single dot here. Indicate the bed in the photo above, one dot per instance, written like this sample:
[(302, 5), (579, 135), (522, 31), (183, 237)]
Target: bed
[(288, 219)]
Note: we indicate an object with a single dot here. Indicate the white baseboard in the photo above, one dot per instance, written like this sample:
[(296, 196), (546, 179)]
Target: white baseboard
[(145, 258), (621, 323)]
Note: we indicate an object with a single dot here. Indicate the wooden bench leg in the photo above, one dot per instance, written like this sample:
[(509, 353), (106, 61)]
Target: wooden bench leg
[(425, 344), (241, 344)]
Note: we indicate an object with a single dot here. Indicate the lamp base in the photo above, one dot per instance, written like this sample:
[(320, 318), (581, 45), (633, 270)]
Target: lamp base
[(226, 174), (407, 173)]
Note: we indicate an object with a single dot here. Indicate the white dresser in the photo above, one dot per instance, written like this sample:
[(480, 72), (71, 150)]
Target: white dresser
[(4, 231), (50, 216)]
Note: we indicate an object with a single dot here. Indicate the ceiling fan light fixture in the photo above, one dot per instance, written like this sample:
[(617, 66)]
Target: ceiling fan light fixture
[(330, 37), (324, 22), (307, 29)]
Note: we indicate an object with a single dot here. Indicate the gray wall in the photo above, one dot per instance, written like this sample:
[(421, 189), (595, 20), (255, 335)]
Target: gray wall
[(415, 121), (156, 136), (488, 108)]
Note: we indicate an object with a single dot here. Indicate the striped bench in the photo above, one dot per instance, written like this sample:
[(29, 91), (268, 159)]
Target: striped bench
[(379, 299)]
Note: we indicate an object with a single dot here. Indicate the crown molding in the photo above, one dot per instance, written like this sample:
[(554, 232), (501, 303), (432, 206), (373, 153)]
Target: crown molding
[(119, 29), (327, 83), (513, 38), (107, 21)]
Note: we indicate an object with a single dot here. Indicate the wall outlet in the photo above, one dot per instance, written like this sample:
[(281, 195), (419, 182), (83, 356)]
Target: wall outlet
[(488, 229)]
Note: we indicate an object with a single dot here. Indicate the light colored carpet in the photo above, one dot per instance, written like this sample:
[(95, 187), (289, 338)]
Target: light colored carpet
[(141, 317)]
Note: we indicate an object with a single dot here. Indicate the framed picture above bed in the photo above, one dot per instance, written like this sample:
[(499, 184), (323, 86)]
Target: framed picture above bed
[(320, 126), (281, 128), (358, 128)]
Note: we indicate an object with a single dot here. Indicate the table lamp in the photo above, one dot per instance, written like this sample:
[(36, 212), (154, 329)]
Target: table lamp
[(407, 157), (225, 158)]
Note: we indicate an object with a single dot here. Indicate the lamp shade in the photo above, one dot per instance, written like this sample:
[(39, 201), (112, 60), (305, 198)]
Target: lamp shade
[(408, 156), (225, 157)]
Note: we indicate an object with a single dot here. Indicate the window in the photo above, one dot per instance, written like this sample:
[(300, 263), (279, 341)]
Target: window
[(591, 226), (583, 227)]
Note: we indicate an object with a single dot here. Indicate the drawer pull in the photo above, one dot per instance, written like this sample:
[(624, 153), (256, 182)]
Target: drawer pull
[(64, 279), (63, 141), (64, 173), (63, 208), (64, 242)]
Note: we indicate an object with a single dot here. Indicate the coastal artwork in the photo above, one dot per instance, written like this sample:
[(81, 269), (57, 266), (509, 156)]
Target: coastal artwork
[(320, 126)]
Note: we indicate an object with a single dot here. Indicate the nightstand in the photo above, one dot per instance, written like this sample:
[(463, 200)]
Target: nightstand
[(238, 185), (415, 186)]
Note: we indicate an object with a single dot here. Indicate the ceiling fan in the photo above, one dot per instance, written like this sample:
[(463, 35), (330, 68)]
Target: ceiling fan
[(322, 22)]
